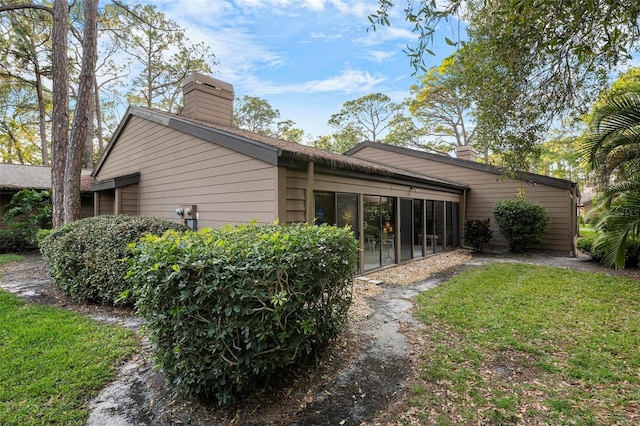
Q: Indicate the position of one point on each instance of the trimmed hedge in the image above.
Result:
(522, 222)
(234, 307)
(85, 258)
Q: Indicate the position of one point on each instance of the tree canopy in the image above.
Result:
(535, 62)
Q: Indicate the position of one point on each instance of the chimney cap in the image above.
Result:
(203, 80)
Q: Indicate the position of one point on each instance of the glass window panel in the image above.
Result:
(325, 207)
(418, 219)
(438, 216)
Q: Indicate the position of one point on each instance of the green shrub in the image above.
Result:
(13, 240)
(235, 307)
(85, 258)
(28, 212)
(589, 245)
(522, 222)
(477, 233)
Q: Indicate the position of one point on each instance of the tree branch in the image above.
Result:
(10, 7)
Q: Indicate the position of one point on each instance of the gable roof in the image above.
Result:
(14, 177)
(529, 177)
(272, 150)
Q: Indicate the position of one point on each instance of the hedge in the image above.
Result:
(234, 307)
(86, 258)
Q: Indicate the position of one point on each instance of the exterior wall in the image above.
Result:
(129, 200)
(297, 184)
(178, 169)
(486, 188)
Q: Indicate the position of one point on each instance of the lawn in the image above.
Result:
(52, 361)
(511, 343)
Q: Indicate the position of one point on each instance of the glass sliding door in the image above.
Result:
(388, 234)
(453, 224)
(372, 225)
(406, 229)
(438, 220)
(347, 214)
(325, 207)
(379, 231)
(418, 225)
(431, 229)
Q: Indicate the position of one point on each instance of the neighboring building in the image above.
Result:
(197, 168)
(16, 177)
(488, 185)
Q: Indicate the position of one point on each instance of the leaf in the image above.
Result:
(450, 42)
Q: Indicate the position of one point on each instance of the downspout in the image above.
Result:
(309, 216)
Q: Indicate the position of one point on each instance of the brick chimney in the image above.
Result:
(465, 152)
(207, 99)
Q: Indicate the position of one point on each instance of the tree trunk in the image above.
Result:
(42, 115)
(83, 118)
(60, 115)
(98, 111)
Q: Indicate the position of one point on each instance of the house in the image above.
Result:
(16, 177)
(197, 168)
(488, 185)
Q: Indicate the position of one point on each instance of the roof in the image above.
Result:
(14, 177)
(272, 150)
(529, 177)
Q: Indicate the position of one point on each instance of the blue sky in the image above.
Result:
(305, 57)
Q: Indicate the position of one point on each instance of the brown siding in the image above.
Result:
(106, 202)
(129, 200)
(177, 169)
(486, 188)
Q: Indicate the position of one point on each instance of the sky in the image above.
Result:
(305, 57)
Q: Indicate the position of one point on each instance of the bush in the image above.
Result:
(589, 245)
(85, 258)
(522, 222)
(477, 233)
(13, 240)
(28, 212)
(234, 307)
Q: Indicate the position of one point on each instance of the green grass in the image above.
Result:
(53, 361)
(513, 343)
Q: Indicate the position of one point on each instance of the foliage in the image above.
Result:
(52, 361)
(507, 338)
(234, 307)
(87, 258)
(257, 115)
(519, 53)
(522, 222)
(440, 105)
(611, 145)
(367, 116)
(611, 148)
(28, 212)
(478, 233)
(13, 240)
(338, 142)
(158, 47)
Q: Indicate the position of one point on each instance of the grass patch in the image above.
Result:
(529, 344)
(53, 361)
(6, 258)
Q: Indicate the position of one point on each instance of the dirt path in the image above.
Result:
(366, 374)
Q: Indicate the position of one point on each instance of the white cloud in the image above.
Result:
(380, 55)
(348, 82)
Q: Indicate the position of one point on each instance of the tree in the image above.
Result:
(338, 142)
(148, 38)
(367, 116)
(254, 114)
(550, 71)
(25, 64)
(441, 107)
(66, 195)
(257, 115)
(611, 147)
